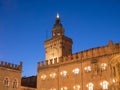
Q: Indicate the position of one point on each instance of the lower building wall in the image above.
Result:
(93, 73)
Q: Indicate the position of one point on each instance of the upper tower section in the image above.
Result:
(57, 30)
(59, 45)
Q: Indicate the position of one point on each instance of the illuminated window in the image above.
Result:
(6, 82)
(103, 66)
(64, 73)
(43, 77)
(104, 85)
(113, 80)
(76, 71)
(15, 84)
(90, 86)
(52, 89)
(53, 75)
(64, 88)
(58, 33)
(88, 68)
(76, 87)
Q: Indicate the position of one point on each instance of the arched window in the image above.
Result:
(6, 82)
(90, 86)
(64, 88)
(52, 75)
(15, 84)
(88, 68)
(104, 85)
(76, 71)
(76, 87)
(43, 77)
(103, 66)
(63, 73)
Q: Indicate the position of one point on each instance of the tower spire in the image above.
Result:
(57, 18)
(58, 30)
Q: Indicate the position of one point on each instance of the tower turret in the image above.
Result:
(57, 30)
(59, 45)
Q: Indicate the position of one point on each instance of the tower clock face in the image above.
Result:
(53, 53)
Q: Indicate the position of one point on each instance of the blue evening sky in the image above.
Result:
(26, 24)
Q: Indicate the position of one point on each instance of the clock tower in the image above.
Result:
(59, 45)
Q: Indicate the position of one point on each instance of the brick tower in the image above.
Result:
(59, 45)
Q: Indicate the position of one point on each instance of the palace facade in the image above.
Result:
(93, 69)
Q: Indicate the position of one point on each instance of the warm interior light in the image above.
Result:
(64, 73)
(113, 80)
(76, 71)
(88, 68)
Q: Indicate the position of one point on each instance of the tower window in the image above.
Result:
(63, 73)
(90, 86)
(104, 85)
(58, 33)
(76, 71)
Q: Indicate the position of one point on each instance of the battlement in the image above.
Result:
(83, 55)
(11, 66)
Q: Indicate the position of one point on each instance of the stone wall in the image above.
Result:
(12, 73)
(95, 58)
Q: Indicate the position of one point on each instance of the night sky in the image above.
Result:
(26, 24)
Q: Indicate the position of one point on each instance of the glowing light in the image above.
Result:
(76, 87)
(113, 80)
(76, 71)
(43, 77)
(64, 73)
(88, 68)
(104, 84)
(53, 75)
(58, 15)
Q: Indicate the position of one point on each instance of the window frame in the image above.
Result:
(76, 71)
(90, 86)
(6, 82)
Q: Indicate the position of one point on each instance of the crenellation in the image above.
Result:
(10, 66)
(46, 61)
(80, 55)
(69, 58)
(60, 59)
(93, 52)
(101, 51)
(117, 47)
(64, 59)
(75, 56)
(51, 61)
(89, 53)
(43, 63)
(84, 54)
(38, 66)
